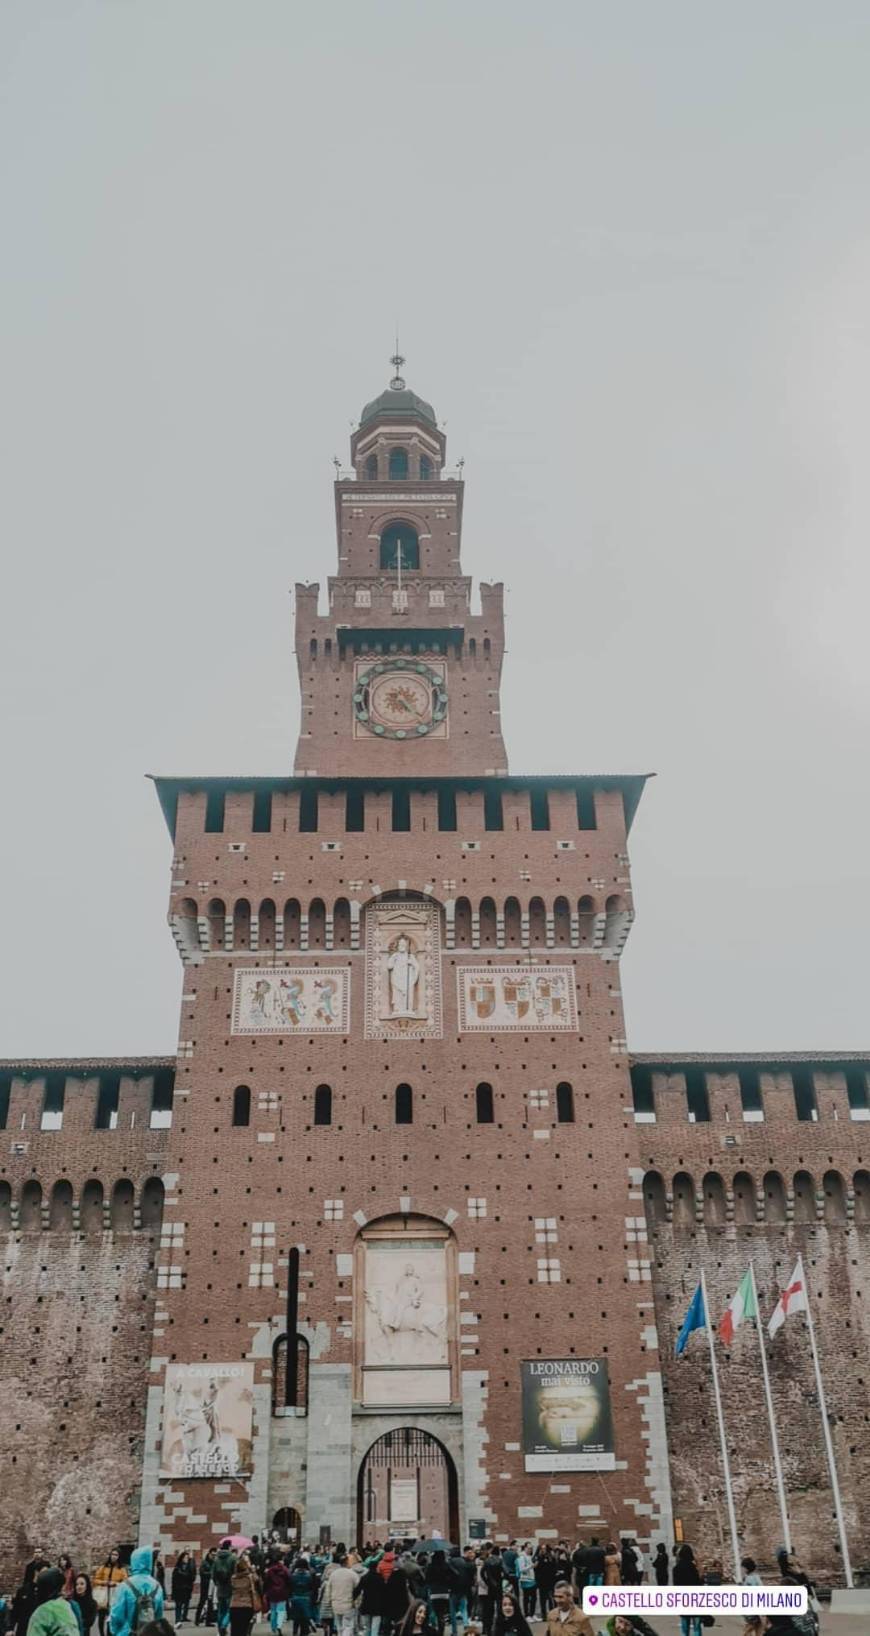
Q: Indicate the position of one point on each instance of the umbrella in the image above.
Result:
(238, 1542)
(424, 1547)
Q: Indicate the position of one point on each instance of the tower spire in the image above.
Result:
(397, 383)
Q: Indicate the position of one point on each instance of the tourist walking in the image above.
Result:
(276, 1589)
(371, 1601)
(595, 1555)
(107, 1581)
(222, 1569)
(245, 1600)
(24, 1600)
(181, 1584)
(303, 1594)
(526, 1577)
(566, 1619)
(139, 1600)
(205, 1605)
(83, 1597)
(52, 1612)
(612, 1565)
(545, 1577)
(661, 1565)
(439, 1582)
(686, 1572)
(510, 1619)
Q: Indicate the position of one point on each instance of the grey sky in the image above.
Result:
(628, 246)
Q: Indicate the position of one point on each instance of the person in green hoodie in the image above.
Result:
(52, 1615)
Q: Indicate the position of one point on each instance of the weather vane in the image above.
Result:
(397, 361)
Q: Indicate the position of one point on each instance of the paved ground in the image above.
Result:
(833, 1624)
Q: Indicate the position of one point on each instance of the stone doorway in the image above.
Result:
(288, 1523)
(407, 1487)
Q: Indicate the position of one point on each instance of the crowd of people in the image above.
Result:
(424, 1589)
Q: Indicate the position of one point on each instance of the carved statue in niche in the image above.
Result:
(406, 1321)
(403, 970)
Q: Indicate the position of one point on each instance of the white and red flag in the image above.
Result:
(792, 1299)
(742, 1306)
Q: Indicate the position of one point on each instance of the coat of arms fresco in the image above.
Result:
(530, 999)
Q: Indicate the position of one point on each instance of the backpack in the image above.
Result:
(145, 1611)
(222, 1570)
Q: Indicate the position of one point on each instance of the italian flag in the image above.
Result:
(743, 1306)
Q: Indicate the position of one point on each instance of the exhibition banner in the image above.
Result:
(567, 1423)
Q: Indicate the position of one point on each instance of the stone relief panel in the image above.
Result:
(292, 1000)
(405, 1336)
(403, 971)
(516, 999)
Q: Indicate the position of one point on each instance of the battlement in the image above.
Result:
(748, 1088)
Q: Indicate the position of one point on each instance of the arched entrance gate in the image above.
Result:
(407, 1487)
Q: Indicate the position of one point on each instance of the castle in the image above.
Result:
(401, 1238)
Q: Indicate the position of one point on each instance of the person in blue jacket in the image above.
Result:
(130, 1609)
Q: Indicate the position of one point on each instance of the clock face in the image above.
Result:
(399, 698)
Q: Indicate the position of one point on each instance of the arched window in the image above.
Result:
(804, 1197)
(744, 1199)
(462, 924)
(774, 1199)
(537, 923)
(714, 1200)
(292, 923)
(266, 920)
(60, 1215)
(323, 1105)
(242, 924)
(562, 922)
(586, 920)
(151, 1204)
(396, 537)
(5, 1207)
(299, 1398)
(216, 922)
(861, 1185)
(31, 1207)
(835, 1199)
(684, 1201)
(398, 468)
(341, 924)
(488, 925)
(655, 1203)
(565, 1103)
(404, 1105)
(513, 923)
(242, 1105)
(372, 469)
(91, 1207)
(425, 468)
(616, 915)
(483, 1105)
(317, 924)
(123, 1200)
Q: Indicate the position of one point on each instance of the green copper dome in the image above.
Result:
(398, 401)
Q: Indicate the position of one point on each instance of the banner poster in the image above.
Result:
(207, 1420)
(567, 1423)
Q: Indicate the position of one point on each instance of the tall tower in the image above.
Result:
(399, 642)
(403, 1283)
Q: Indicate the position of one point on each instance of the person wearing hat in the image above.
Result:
(52, 1615)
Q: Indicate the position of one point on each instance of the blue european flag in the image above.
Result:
(696, 1318)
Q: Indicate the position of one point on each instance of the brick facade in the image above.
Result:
(518, 1150)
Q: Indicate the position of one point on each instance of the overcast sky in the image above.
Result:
(628, 247)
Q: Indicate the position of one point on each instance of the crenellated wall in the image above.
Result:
(80, 1226)
(780, 1168)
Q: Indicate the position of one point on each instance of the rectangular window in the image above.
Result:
(586, 810)
(107, 1102)
(161, 1099)
(362, 598)
(5, 1093)
(642, 1095)
(805, 1103)
(750, 1097)
(355, 811)
(539, 802)
(214, 812)
(476, 1209)
(856, 1090)
(447, 809)
(52, 1104)
(307, 811)
(493, 817)
(401, 809)
(549, 1270)
(697, 1099)
(262, 812)
(436, 599)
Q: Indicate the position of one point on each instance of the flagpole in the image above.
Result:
(774, 1438)
(726, 1466)
(829, 1446)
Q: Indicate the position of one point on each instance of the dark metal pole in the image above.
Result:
(292, 1324)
